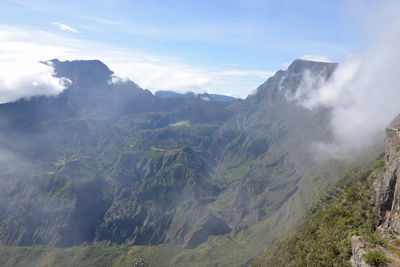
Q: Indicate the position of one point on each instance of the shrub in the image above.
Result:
(390, 133)
(374, 238)
(375, 258)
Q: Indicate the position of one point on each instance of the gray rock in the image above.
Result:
(358, 247)
(386, 189)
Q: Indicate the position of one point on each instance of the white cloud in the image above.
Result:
(22, 74)
(317, 58)
(364, 91)
(24, 79)
(148, 71)
(64, 27)
(182, 78)
(160, 76)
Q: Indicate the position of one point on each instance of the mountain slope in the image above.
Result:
(106, 161)
(355, 224)
(324, 237)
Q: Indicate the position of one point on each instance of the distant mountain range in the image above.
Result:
(111, 163)
(212, 97)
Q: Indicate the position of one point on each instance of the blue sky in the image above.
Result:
(225, 47)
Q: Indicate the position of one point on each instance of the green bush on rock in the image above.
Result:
(375, 258)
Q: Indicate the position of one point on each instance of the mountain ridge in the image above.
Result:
(205, 96)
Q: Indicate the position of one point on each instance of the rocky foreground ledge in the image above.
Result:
(386, 250)
(361, 248)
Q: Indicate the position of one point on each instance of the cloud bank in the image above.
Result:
(364, 91)
(24, 79)
(21, 73)
(148, 71)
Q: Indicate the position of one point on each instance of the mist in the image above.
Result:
(363, 92)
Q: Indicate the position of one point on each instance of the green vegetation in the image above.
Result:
(391, 132)
(86, 255)
(217, 251)
(375, 258)
(374, 238)
(323, 239)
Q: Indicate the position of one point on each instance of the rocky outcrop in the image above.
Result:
(360, 246)
(387, 190)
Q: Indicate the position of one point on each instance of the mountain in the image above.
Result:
(195, 181)
(103, 167)
(212, 97)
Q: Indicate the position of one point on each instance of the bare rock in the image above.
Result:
(387, 190)
(358, 247)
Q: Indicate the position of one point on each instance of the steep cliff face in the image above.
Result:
(361, 247)
(387, 189)
(386, 197)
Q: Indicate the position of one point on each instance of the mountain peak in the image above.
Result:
(75, 69)
(300, 65)
(92, 90)
(286, 82)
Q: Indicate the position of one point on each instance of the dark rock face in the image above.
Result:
(109, 161)
(285, 83)
(95, 92)
(299, 65)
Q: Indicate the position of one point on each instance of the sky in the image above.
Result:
(225, 47)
